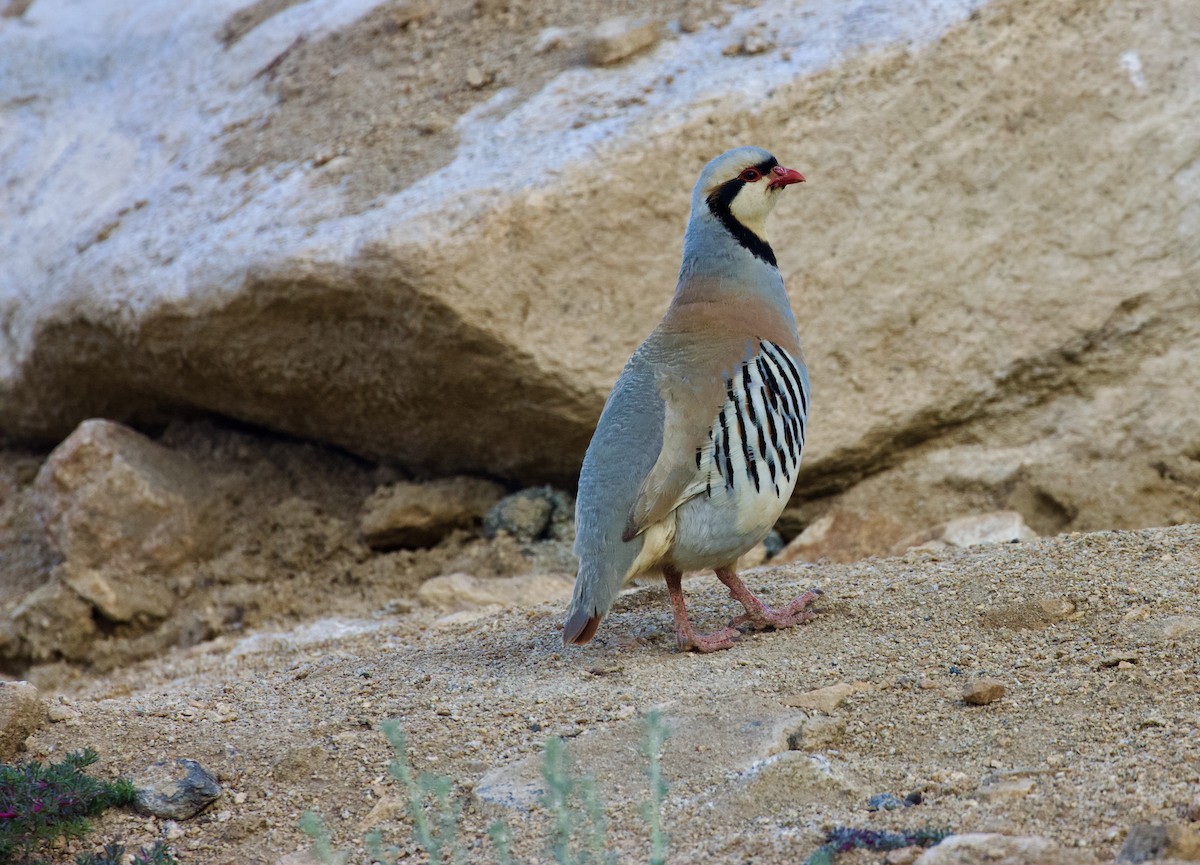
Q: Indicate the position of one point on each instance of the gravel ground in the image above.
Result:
(1096, 639)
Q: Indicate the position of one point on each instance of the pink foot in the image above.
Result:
(759, 615)
(705, 643)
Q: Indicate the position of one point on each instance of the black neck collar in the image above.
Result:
(720, 204)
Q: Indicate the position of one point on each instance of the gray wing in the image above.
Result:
(624, 448)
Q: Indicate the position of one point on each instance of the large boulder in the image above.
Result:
(124, 512)
(307, 216)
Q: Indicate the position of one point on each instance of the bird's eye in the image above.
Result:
(750, 175)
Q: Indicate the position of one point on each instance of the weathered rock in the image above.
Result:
(826, 699)
(455, 592)
(817, 733)
(1004, 789)
(177, 790)
(1031, 614)
(50, 622)
(124, 512)
(410, 515)
(980, 692)
(62, 713)
(993, 849)
(1162, 629)
(620, 38)
(998, 527)
(22, 712)
(843, 536)
(191, 234)
(533, 514)
(1149, 841)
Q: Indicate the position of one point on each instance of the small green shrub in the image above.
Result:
(577, 834)
(40, 802)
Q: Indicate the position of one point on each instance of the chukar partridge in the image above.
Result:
(697, 449)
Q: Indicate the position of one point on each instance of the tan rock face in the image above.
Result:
(456, 592)
(21, 713)
(989, 261)
(408, 515)
(123, 512)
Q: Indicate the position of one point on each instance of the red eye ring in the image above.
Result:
(751, 175)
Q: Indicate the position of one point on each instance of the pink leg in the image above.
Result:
(758, 614)
(684, 634)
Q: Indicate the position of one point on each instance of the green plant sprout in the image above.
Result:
(577, 834)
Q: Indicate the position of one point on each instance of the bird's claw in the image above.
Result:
(795, 613)
(705, 643)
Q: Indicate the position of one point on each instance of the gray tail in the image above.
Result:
(581, 627)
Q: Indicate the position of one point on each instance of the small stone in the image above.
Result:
(843, 536)
(491, 7)
(1147, 841)
(59, 713)
(385, 810)
(826, 699)
(689, 21)
(995, 527)
(980, 692)
(433, 123)
(1193, 809)
(903, 855)
(550, 39)
(884, 802)
(1116, 660)
(461, 592)
(620, 38)
(1164, 629)
(1032, 614)
(532, 514)
(994, 849)
(755, 42)
(300, 857)
(176, 790)
(413, 515)
(817, 733)
(22, 712)
(477, 78)
(1003, 790)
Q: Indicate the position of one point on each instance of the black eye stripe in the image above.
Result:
(721, 200)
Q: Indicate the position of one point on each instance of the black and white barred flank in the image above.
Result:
(758, 435)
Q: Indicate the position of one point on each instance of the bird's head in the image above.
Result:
(740, 187)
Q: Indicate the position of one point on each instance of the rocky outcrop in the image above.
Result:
(123, 512)
(992, 262)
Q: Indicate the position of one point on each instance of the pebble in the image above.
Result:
(996, 849)
(817, 733)
(1005, 790)
(1147, 841)
(826, 699)
(532, 514)
(619, 38)
(1193, 811)
(59, 713)
(884, 802)
(980, 692)
(176, 790)
(412, 515)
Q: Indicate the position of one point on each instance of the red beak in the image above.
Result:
(781, 177)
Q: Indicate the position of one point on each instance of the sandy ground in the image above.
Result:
(1096, 637)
